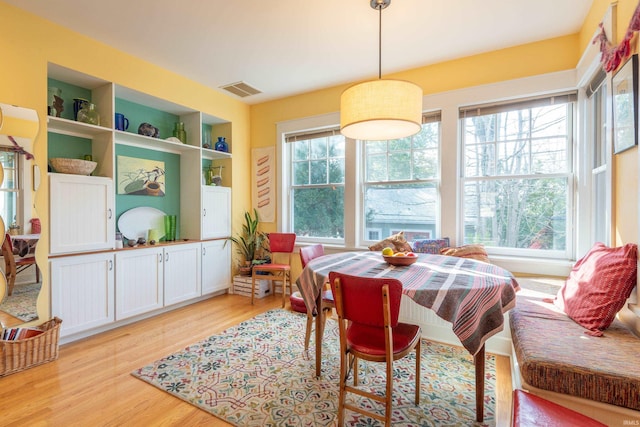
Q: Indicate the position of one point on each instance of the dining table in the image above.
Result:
(472, 295)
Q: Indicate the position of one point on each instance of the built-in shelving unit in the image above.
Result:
(84, 210)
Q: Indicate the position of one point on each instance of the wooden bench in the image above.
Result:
(554, 358)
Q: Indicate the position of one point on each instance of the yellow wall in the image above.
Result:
(28, 43)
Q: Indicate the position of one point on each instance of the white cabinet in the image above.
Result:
(139, 281)
(82, 291)
(182, 275)
(82, 214)
(151, 278)
(216, 266)
(216, 212)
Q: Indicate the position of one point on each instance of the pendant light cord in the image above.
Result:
(380, 43)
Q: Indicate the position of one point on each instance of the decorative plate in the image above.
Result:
(400, 260)
(137, 222)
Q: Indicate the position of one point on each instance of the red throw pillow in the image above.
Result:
(598, 286)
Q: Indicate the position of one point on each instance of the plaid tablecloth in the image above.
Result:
(471, 295)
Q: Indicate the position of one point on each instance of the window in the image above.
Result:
(317, 187)
(382, 186)
(400, 183)
(517, 175)
(597, 135)
(10, 198)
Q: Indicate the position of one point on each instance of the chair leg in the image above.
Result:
(307, 335)
(10, 283)
(284, 290)
(389, 396)
(355, 370)
(418, 357)
(344, 369)
(37, 274)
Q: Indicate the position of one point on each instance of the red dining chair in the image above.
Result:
(280, 245)
(307, 253)
(13, 265)
(368, 310)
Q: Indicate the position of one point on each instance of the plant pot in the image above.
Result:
(244, 271)
(153, 188)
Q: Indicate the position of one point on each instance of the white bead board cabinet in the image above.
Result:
(82, 213)
(82, 291)
(139, 281)
(216, 256)
(87, 223)
(156, 277)
(182, 273)
(216, 212)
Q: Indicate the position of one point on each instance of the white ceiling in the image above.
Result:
(287, 47)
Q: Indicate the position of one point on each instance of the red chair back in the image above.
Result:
(307, 253)
(282, 242)
(362, 298)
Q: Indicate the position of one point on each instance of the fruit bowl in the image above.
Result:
(400, 260)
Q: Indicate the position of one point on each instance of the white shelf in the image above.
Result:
(72, 128)
(214, 155)
(157, 144)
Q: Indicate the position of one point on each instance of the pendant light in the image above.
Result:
(381, 109)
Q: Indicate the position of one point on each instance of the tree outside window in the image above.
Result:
(517, 184)
(317, 191)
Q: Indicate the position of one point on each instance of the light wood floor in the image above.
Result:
(90, 384)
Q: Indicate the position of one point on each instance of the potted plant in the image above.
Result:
(249, 243)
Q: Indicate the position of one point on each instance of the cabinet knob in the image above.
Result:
(110, 265)
(204, 212)
(204, 251)
(166, 257)
(160, 258)
(109, 213)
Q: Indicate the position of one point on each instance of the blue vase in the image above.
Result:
(222, 145)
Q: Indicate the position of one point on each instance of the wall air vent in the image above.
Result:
(241, 89)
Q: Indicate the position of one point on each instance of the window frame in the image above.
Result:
(515, 105)
(18, 188)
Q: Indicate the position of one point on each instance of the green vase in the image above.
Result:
(179, 132)
(89, 114)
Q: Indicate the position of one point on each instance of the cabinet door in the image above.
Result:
(216, 266)
(181, 273)
(139, 284)
(82, 217)
(216, 212)
(82, 292)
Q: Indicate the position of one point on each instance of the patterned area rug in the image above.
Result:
(257, 374)
(22, 302)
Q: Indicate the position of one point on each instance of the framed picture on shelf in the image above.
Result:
(625, 106)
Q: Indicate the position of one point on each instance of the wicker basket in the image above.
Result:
(18, 355)
(72, 166)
